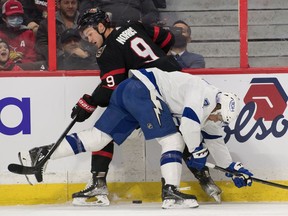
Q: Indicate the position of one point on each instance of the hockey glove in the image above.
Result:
(83, 109)
(241, 176)
(198, 158)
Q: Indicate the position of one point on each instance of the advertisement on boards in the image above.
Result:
(258, 137)
(35, 111)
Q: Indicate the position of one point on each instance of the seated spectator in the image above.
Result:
(35, 12)
(122, 11)
(186, 59)
(5, 63)
(1, 4)
(66, 17)
(20, 39)
(74, 56)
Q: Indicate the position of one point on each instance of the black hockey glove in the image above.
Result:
(83, 109)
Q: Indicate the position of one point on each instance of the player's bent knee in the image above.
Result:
(172, 142)
(94, 139)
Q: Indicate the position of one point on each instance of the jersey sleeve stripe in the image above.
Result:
(209, 136)
(111, 88)
(189, 113)
(166, 41)
(156, 33)
(113, 72)
(103, 153)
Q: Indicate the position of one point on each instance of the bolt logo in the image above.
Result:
(265, 103)
(24, 125)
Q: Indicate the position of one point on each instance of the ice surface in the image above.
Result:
(150, 209)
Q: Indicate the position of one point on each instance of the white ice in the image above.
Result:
(150, 209)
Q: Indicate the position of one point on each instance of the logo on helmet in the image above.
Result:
(232, 105)
(229, 106)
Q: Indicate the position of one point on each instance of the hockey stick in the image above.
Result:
(213, 166)
(25, 170)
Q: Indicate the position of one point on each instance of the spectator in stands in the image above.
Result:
(74, 56)
(66, 17)
(122, 11)
(20, 39)
(35, 12)
(185, 58)
(1, 4)
(5, 63)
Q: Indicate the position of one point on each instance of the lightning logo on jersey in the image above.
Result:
(158, 106)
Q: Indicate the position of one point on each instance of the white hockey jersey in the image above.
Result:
(190, 99)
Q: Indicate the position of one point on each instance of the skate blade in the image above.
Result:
(217, 197)
(99, 200)
(179, 204)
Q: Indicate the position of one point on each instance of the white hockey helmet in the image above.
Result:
(230, 106)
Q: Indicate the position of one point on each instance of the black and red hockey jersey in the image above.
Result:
(132, 46)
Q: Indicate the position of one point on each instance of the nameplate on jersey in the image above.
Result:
(125, 35)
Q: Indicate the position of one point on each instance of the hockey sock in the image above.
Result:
(87, 140)
(63, 150)
(171, 158)
(100, 160)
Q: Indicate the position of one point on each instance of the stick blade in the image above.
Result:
(22, 170)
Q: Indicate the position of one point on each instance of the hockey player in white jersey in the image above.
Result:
(202, 110)
(150, 99)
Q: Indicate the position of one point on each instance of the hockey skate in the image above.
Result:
(95, 192)
(172, 198)
(207, 184)
(31, 158)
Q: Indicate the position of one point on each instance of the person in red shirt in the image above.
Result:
(19, 37)
(5, 63)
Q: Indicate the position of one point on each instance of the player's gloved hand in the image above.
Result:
(83, 109)
(243, 176)
(198, 158)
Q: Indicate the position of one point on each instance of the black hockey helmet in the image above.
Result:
(92, 17)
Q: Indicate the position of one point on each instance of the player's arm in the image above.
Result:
(113, 72)
(100, 96)
(109, 82)
(214, 140)
(192, 115)
(213, 135)
(160, 36)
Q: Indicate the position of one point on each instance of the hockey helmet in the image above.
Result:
(230, 106)
(92, 17)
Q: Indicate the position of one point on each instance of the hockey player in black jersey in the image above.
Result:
(130, 46)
